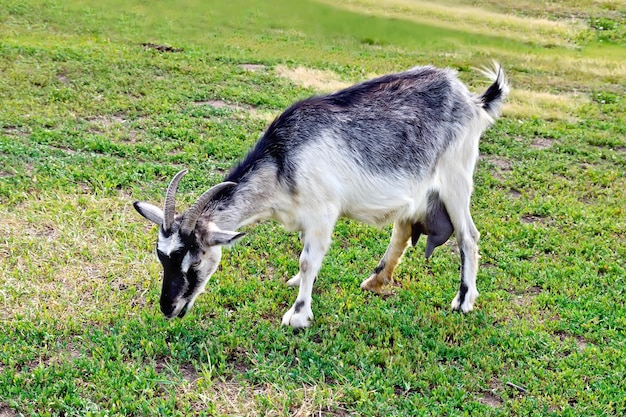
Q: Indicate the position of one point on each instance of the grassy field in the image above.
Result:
(102, 102)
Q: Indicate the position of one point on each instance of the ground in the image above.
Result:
(102, 103)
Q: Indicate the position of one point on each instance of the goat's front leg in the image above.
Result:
(316, 244)
(383, 273)
(295, 280)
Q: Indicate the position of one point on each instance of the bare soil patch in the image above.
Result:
(533, 218)
(187, 370)
(12, 131)
(501, 165)
(580, 341)
(526, 298)
(217, 104)
(50, 233)
(64, 79)
(160, 48)
(540, 143)
(490, 399)
(6, 411)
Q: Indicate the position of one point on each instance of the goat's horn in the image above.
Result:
(192, 215)
(169, 211)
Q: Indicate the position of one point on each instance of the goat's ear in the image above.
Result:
(149, 211)
(222, 237)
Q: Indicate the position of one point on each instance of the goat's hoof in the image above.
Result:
(373, 283)
(467, 305)
(295, 281)
(301, 319)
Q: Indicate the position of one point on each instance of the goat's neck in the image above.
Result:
(248, 203)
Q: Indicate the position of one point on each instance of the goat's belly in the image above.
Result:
(377, 219)
(388, 211)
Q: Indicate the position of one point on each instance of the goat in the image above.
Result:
(400, 148)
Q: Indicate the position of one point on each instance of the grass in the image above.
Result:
(102, 102)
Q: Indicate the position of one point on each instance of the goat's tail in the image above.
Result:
(492, 99)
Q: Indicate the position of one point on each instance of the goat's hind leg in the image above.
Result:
(467, 238)
(455, 194)
(383, 273)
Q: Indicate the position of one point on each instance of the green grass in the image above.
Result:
(92, 119)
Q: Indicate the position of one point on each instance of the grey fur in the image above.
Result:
(398, 123)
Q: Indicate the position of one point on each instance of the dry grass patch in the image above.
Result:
(106, 122)
(521, 103)
(607, 66)
(115, 126)
(241, 399)
(530, 104)
(253, 67)
(567, 9)
(569, 72)
(63, 257)
(469, 19)
(322, 81)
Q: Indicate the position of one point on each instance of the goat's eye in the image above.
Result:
(196, 264)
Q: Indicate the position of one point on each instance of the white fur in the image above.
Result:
(169, 244)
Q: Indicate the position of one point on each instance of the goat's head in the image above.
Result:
(189, 250)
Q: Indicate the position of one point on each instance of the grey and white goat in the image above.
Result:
(400, 148)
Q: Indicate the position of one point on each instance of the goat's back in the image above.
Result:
(372, 147)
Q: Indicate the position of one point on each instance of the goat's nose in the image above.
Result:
(167, 309)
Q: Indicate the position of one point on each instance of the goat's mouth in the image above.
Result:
(184, 311)
(179, 310)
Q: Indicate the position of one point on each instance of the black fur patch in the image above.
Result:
(463, 289)
(379, 268)
(493, 94)
(174, 281)
(275, 146)
(298, 307)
